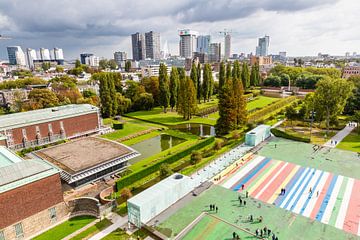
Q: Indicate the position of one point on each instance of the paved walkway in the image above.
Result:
(118, 222)
(335, 140)
(81, 230)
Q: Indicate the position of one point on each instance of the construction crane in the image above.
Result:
(2, 37)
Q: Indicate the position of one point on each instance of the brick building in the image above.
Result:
(351, 71)
(31, 198)
(39, 127)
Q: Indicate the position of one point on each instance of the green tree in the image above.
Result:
(206, 84)
(42, 98)
(112, 64)
(187, 100)
(45, 66)
(228, 70)
(123, 103)
(290, 114)
(245, 76)
(127, 66)
(125, 194)
(195, 157)
(255, 75)
(236, 72)
(331, 96)
(227, 112)
(222, 75)
(103, 64)
(198, 82)
(108, 95)
(239, 103)
(151, 85)
(144, 102)
(174, 87)
(194, 75)
(165, 170)
(59, 69)
(77, 63)
(356, 118)
(164, 87)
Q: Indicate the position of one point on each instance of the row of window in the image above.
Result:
(19, 231)
(38, 129)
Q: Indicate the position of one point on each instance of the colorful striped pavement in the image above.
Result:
(319, 195)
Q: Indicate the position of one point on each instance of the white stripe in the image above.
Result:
(329, 208)
(311, 204)
(293, 188)
(271, 180)
(303, 183)
(300, 203)
(344, 204)
(244, 170)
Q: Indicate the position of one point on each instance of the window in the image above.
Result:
(52, 212)
(2, 236)
(19, 230)
(23, 132)
(37, 129)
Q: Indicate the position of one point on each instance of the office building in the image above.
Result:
(263, 46)
(227, 49)
(203, 44)
(92, 61)
(152, 45)
(120, 58)
(16, 56)
(30, 57)
(138, 46)
(58, 54)
(83, 57)
(44, 54)
(215, 52)
(187, 45)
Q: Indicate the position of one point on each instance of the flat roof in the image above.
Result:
(258, 129)
(78, 155)
(21, 119)
(16, 172)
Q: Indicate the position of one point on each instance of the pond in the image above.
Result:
(196, 129)
(155, 145)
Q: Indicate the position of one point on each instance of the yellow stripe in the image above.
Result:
(284, 183)
(275, 163)
(232, 166)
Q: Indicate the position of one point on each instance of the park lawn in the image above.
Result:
(120, 234)
(213, 102)
(351, 142)
(66, 228)
(93, 229)
(131, 126)
(260, 102)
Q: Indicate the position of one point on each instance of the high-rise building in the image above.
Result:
(227, 49)
(58, 54)
(44, 54)
(215, 52)
(138, 46)
(203, 44)
(152, 44)
(187, 45)
(263, 46)
(120, 58)
(83, 57)
(30, 57)
(16, 56)
(92, 61)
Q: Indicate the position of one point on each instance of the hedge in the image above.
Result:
(279, 133)
(118, 126)
(258, 115)
(138, 175)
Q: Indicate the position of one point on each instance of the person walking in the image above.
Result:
(242, 187)
(244, 203)
(240, 202)
(247, 194)
(216, 209)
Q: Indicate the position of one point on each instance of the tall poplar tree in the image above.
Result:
(255, 75)
(245, 76)
(174, 87)
(206, 83)
(198, 82)
(239, 102)
(187, 102)
(228, 70)
(164, 87)
(221, 76)
(194, 74)
(236, 72)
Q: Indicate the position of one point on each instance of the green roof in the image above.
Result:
(16, 172)
(16, 120)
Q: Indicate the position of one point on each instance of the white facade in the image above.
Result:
(58, 54)
(120, 58)
(188, 42)
(263, 47)
(16, 56)
(44, 54)
(30, 57)
(92, 61)
(227, 47)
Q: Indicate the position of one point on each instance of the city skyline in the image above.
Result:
(297, 27)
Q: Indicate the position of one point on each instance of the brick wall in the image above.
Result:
(73, 126)
(30, 199)
(3, 143)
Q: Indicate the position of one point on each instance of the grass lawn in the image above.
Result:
(213, 102)
(141, 138)
(131, 126)
(351, 142)
(119, 234)
(260, 102)
(66, 228)
(93, 229)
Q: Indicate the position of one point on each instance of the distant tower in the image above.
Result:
(16, 56)
(227, 49)
(165, 53)
(152, 43)
(263, 47)
(187, 44)
(30, 57)
(138, 46)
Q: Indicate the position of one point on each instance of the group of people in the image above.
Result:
(251, 218)
(242, 201)
(236, 236)
(283, 191)
(213, 207)
(334, 142)
(265, 232)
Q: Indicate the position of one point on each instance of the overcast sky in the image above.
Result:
(300, 27)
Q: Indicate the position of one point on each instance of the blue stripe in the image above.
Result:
(252, 173)
(293, 194)
(288, 186)
(326, 200)
(311, 194)
(302, 190)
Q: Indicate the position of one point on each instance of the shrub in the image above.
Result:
(165, 170)
(118, 126)
(235, 135)
(195, 157)
(218, 145)
(279, 133)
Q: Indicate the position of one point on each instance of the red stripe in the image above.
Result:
(258, 189)
(231, 172)
(351, 223)
(321, 197)
(256, 175)
(270, 190)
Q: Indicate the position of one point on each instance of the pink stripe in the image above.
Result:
(351, 223)
(321, 197)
